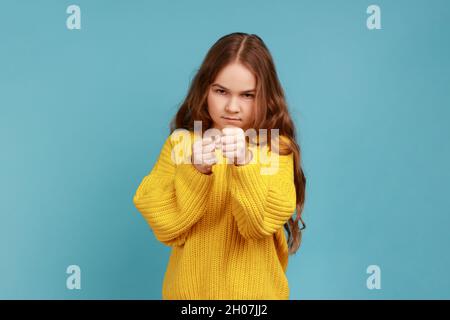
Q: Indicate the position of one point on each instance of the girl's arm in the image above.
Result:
(172, 198)
(263, 204)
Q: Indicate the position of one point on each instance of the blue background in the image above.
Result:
(84, 114)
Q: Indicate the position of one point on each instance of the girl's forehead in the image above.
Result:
(236, 77)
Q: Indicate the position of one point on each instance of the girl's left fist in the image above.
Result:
(234, 146)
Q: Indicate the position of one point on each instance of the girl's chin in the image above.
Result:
(231, 126)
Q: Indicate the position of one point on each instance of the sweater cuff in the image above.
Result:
(263, 204)
(197, 182)
(250, 183)
(250, 172)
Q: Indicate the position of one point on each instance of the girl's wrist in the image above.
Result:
(203, 170)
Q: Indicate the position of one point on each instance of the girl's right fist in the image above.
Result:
(203, 154)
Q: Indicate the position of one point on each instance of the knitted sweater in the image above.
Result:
(225, 229)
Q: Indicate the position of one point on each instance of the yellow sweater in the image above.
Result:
(225, 229)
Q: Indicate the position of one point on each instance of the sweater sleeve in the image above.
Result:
(262, 203)
(172, 197)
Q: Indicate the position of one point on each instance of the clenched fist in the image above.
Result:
(203, 155)
(234, 146)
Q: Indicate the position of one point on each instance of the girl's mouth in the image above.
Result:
(231, 119)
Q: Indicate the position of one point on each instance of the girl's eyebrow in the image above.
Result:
(218, 85)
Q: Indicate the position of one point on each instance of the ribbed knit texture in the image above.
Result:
(225, 229)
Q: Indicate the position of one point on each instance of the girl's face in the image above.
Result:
(232, 96)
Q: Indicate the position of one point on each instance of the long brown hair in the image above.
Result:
(271, 111)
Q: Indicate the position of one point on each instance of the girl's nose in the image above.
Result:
(232, 106)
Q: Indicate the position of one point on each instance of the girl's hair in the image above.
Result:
(271, 111)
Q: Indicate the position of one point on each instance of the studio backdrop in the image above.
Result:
(87, 92)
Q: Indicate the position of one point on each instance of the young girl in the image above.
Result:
(208, 197)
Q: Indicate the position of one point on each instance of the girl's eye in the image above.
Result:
(248, 95)
(220, 91)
